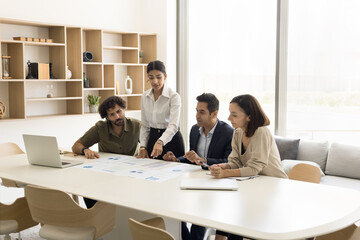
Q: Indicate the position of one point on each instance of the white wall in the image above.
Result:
(149, 16)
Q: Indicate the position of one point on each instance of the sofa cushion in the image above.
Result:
(288, 164)
(341, 182)
(343, 161)
(288, 148)
(314, 151)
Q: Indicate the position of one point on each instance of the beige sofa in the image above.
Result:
(340, 163)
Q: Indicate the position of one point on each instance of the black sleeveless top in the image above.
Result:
(242, 148)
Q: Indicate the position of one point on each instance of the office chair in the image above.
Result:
(7, 149)
(305, 172)
(309, 173)
(15, 218)
(10, 148)
(151, 229)
(62, 218)
(350, 233)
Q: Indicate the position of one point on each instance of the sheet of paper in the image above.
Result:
(140, 168)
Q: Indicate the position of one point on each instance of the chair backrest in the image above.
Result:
(140, 231)
(50, 206)
(7, 149)
(54, 207)
(350, 233)
(18, 211)
(305, 172)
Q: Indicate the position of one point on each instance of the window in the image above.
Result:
(324, 70)
(232, 47)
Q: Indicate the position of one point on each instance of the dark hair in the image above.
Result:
(156, 65)
(110, 103)
(211, 100)
(252, 108)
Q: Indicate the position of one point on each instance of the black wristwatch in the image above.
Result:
(83, 149)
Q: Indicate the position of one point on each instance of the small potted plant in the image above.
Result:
(94, 102)
(141, 53)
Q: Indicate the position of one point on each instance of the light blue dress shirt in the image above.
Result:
(204, 142)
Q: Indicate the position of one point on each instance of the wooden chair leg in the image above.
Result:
(76, 198)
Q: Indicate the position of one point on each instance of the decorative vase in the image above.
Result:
(93, 108)
(87, 57)
(2, 110)
(68, 73)
(50, 93)
(6, 67)
(117, 87)
(128, 90)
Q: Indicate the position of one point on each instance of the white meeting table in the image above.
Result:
(262, 208)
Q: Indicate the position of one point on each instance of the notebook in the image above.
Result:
(44, 151)
(209, 184)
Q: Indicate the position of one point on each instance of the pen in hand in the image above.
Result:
(203, 164)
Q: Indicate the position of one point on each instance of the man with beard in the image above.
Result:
(210, 143)
(118, 134)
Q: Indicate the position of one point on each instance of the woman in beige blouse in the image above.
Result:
(254, 151)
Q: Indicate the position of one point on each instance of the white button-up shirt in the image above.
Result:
(164, 113)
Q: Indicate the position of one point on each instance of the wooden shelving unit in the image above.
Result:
(115, 56)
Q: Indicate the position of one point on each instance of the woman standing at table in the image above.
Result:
(160, 115)
(254, 151)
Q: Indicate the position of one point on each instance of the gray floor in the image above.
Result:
(28, 234)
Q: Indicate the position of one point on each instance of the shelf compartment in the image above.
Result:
(105, 94)
(46, 54)
(118, 39)
(109, 76)
(94, 75)
(37, 91)
(74, 54)
(15, 102)
(136, 73)
(16, 51)
(10, 30)
(74, 89)
(121, 56)
(60, 106)
(148, 45)
(147, 84)
(57, 33)
(133, 102)
(93, 43)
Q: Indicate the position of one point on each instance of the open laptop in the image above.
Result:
(44, 151)
(209, 184)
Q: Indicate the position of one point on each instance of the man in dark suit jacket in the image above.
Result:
(210, 143)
